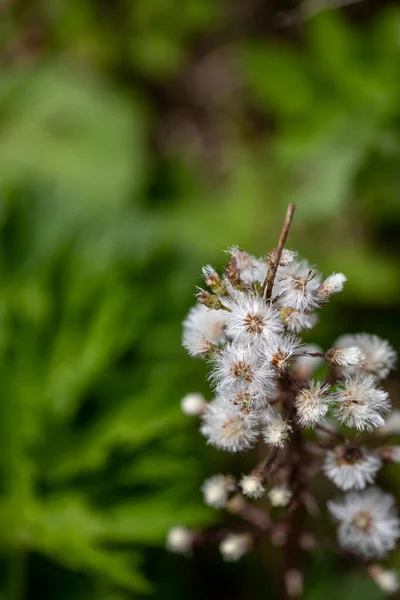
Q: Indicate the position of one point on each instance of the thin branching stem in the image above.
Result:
(269, 280)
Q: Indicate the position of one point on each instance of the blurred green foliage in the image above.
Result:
(137, 141)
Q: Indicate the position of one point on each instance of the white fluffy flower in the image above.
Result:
(241, 368)
(332, 285)
(361, 403)
(286, 258)
(297, 321)
(251, 319)
(229, 428)
(368, 522)
(281, 351)
(202, 329)
(279, 495)
(296, 286)
(179, 540)
(312, 403)
(351, 467)
(304, 366)
(234, 546)
(348, 356)
(386, 579)
(250, 269)
(252, 486)
(193, 404)
(379, 356)
(216, 490)
(276, 433)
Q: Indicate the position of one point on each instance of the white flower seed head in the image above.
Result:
(252, 486)
(252, 320)
(296, 286)
(332, 285)
(282, 351)
(312, 403)
(386, 579)
(216, 490)
(279, 496)
(360, 403)
(229, 428)
(179, 540)
(350, 467)
(203, 329)
(297, 321)
(368, 522)
(350, 356)
(193, 405)
(287, 257)
(379, 356)
(234, 546)
(246, 267)
(276, 433)
(241, 368)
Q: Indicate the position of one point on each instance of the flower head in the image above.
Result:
(361, 403)
(245, 269)
(179, 540)
(332, 285)
(203, 329)
(279, 495)
(297, 321)
(234, 546)
(216, 490)
(350, 356)
(312, 403)
(386, 579)
(193, 404)
(252, 486)
(229, 428)
(286, 258)
(276, 433)
(239, 368)
(379, 356)
(368, 522)
(296, 286)
(351, 467)
(281, 351)
(252, 320)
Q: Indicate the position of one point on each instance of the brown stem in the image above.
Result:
(270, 278)
(293, 577)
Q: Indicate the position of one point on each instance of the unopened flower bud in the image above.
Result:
(210, 300)
(214, 281)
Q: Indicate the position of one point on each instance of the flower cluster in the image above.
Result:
(247, 326)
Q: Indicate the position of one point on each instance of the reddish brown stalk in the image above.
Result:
(270, 278)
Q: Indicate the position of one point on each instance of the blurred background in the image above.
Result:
(138, 139)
